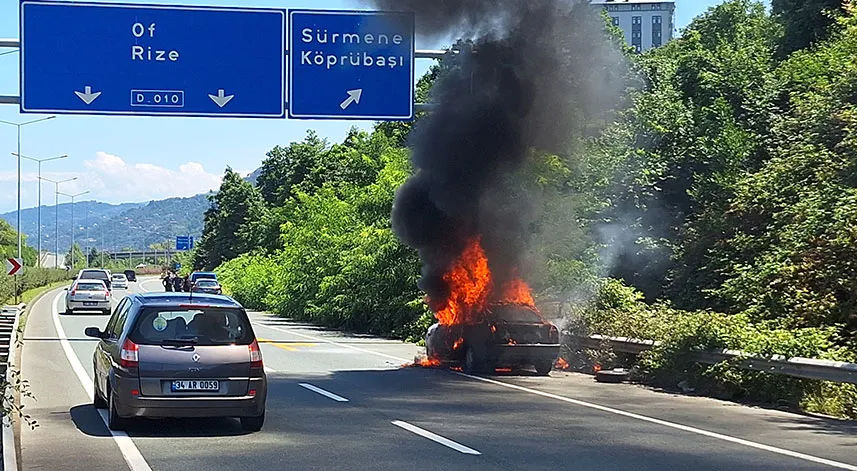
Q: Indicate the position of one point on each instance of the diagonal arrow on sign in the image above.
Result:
(14, 266)
(353, 97)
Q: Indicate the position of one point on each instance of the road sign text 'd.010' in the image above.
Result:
(103, 58)
(351, 65)
(14, 266)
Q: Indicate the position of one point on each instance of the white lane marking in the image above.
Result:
(268, 369)
(684, 428)
(435, 438)
(324, 393)
(319, 339)
(129, 451)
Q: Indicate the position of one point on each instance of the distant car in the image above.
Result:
(140, 265)
(207, 285)
(512, 335)
(119, 281)
(198, 275)
(131, 275)
(87, 295)
(170, 355)
(95, 274)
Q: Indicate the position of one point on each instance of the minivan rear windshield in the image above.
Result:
(175, 325)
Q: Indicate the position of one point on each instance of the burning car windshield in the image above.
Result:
(515, 314)
(209, 326)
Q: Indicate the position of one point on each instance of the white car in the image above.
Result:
(119, 281)
(87, 295)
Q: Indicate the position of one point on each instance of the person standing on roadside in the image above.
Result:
(167, 281)
(177, 283)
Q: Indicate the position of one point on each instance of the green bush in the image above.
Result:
(32, 278)
(617, 311)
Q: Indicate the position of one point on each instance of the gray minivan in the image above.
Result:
(173, 355)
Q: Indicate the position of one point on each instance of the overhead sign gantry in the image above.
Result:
(164, 60)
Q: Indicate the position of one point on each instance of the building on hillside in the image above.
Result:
(646, 23)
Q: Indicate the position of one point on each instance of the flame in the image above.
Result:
(471, 289)
(596, 368)
(469, 282)
(493, 329)
(502, 370)
(512, 342)
(427, 362)
(561, 364)
(517, 291)
(457, 343)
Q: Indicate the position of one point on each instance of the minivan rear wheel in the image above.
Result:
(97, 400)
(114, 422)
(253, 424)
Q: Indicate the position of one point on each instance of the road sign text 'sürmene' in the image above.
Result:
(103, 58)
(351, 65)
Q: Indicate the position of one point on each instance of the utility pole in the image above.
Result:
(57, 217)
(18, 126)
(71, 251)
(39, 210)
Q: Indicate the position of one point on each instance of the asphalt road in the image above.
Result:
(341, 402)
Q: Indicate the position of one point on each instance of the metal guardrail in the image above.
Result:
(809, 368)
(10, 455)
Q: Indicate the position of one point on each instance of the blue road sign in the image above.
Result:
(351, 65)
(110, 58)
(184, 243)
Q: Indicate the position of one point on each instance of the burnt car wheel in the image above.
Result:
(474, 361)
(543, 367)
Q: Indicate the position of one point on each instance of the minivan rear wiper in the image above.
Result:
(179, 342)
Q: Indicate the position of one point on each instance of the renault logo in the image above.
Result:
(195, 357)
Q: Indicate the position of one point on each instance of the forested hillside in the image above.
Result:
(713, 205)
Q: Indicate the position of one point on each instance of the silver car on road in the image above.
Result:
(87, 295)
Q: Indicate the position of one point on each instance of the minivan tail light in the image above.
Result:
(129, 355)
(255, 355)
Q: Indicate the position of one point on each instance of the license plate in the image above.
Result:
(90, 303)
(196, 385)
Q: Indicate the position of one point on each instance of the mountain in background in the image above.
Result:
(122, 226)
(125, 226)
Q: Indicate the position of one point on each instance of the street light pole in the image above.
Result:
(18, 126)
(57, 216)
(71, 251)
(39, 161)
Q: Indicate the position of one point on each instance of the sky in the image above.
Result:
(135, 159)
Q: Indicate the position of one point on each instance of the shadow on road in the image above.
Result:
(820, 425)
(88, 421)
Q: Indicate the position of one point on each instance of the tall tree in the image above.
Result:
(805, 21)
(231, 221)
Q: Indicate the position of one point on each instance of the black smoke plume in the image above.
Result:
(536, 72)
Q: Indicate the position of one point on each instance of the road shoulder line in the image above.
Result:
(129, 450)
(673, 425)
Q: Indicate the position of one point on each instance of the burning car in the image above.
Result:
(509, 335)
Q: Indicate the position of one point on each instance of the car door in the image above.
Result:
(108, 351)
